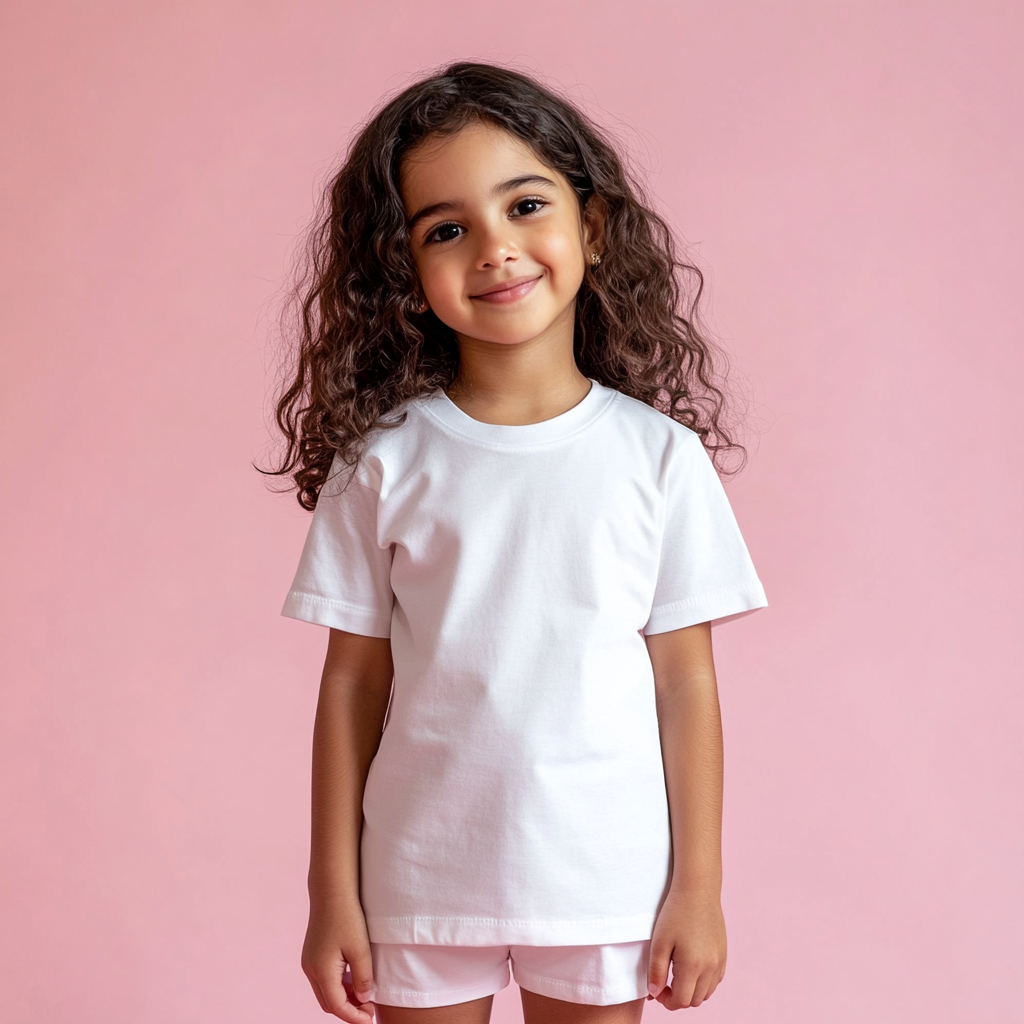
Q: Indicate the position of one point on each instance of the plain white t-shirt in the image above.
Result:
(518, 794)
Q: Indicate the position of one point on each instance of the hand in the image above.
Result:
(689, 932)
(336, 937)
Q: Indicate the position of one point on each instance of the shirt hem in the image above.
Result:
(717, 606)
(326, 611)
(492, 931)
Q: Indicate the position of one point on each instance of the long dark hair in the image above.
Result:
(363, 348)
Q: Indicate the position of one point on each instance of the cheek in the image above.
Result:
(437, 280)
(560, 250)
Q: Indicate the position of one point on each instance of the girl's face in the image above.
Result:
(498, 238)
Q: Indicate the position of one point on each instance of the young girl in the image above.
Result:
(505, 420)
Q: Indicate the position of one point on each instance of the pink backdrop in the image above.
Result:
(850, 177)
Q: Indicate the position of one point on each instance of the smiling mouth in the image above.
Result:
(508, 291)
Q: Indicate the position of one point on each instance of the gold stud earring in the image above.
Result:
(595, 258)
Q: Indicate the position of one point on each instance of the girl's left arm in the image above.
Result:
(690, 930)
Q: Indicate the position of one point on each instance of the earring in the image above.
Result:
(595, 258)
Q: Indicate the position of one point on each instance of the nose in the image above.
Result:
(495, 247)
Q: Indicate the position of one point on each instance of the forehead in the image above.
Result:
(468, 163)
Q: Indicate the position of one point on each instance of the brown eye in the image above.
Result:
(444, 233)
(527, 206)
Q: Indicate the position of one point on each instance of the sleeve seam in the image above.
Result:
(334, 602)
(704, 596)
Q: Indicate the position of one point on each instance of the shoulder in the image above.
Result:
(653, 430)
(410, 408)
(392, 441)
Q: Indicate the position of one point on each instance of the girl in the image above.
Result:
(502, 415)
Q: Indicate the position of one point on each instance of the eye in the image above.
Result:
(443, 233)
(529, 205)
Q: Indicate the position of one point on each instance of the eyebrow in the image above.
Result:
(506, 186)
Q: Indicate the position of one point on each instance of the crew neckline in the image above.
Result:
(442, 408)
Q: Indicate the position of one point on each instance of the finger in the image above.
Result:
(330, 979)
(701, 990)
(713, 983)
(361, 968)
(361, 1012)
(657, 971)
(665, 997)
(682, 990)
(352, 1014)
(363, 1005)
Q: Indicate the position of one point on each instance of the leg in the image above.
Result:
(539, 1009)
(476, 1011)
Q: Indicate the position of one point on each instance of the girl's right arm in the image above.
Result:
(354, 693)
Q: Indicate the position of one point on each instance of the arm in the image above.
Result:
(690, 929)
(354, 692)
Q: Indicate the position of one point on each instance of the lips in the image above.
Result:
(508, 291)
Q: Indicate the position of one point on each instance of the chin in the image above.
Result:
(503, 339)
(513, 332)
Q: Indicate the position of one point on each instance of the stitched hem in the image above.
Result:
(489, 931)
(713, 606)
(328, 611)
(442, 997)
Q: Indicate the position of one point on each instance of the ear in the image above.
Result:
(595, 217)
(417, 300)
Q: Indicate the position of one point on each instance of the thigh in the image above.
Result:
(476, 1011)
(538, 1009)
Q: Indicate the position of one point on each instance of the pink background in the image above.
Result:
(850, 176)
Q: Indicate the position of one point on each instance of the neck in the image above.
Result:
(518, 384)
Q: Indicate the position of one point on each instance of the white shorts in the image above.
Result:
(407, 974)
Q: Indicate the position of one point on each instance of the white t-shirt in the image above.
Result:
(518, 795)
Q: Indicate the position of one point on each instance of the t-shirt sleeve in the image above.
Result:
(344, 574)
(705, 573)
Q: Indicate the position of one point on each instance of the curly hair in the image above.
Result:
(364, 348)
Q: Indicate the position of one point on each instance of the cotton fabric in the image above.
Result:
(518, 794)
(418, 975)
